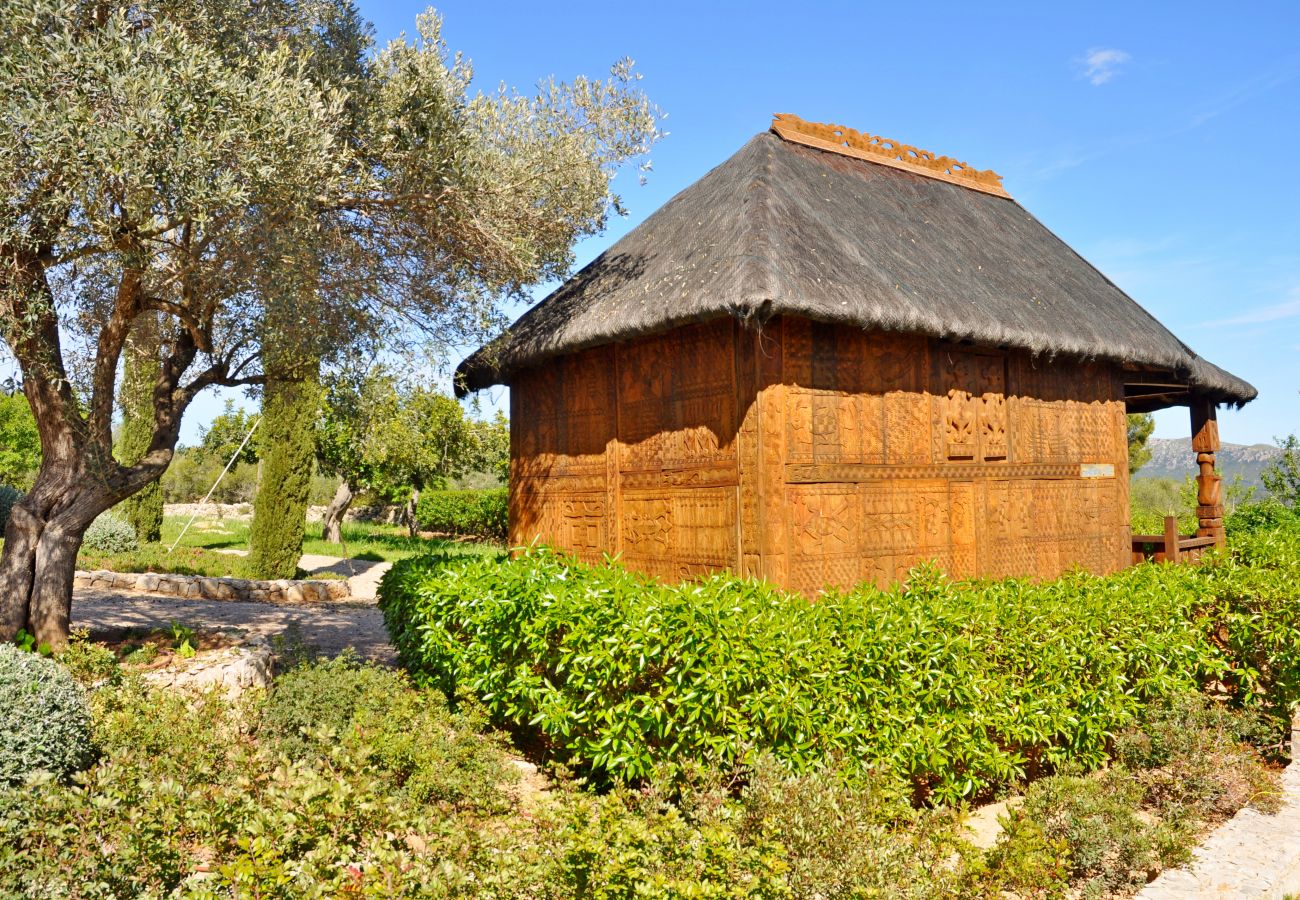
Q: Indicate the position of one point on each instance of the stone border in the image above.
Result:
(200, 587)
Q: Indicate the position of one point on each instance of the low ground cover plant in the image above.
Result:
(349, 780)
(953, 688)
(388, 792)
(477, 513)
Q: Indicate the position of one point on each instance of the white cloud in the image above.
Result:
(1101, 64)
(1287, 309)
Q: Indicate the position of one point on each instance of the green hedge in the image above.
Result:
(953, 686)
(475, 513)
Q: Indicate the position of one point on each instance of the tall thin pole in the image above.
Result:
(205, 500)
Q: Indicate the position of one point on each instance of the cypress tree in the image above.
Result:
(287, 440)
(144, 510)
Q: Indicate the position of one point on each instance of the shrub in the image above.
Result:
(412, 739)
(90, 663)
(1267, 515)
(1093, 830)
(110, 533)
(44, 719)
(952, 687)
(1192, 756)
(844, 839)
(183, 787)
(481, 513)
(312, 704)
(8, 498)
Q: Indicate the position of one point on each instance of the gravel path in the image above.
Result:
(328, 628)
(362, 574)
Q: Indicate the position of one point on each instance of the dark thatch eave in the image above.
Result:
(784, 229)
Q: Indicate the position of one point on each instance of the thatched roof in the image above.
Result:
(784, 229)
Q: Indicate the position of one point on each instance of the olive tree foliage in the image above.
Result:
(258, 179)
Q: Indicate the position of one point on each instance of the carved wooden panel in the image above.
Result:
(683, 534)
(817, 455)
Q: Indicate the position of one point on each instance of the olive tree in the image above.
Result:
(354, 414)
(426, 441)
(259, 179)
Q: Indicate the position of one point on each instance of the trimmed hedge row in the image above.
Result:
(481, 513)
(954, 687)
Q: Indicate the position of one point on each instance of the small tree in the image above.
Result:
(353, 411)
(1282, 477)
(180, 159)
(426, 441)
(493, 452)
(1140, 427)
(219, 441)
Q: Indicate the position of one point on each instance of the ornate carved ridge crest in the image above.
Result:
(877, 149)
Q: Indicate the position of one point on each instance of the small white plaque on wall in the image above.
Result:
(1096, 470)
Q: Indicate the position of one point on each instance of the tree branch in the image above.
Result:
(108, 350)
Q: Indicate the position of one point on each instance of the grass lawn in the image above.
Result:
(361, 540)
(200, 551)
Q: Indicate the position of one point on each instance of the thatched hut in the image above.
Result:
(833, 357)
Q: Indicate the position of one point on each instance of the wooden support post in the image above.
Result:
(1209, 489)
(1171, 539)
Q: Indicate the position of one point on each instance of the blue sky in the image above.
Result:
(1159, 140)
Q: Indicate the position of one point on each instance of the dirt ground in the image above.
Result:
(329, 629)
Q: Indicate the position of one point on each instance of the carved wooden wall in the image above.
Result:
(818, 455)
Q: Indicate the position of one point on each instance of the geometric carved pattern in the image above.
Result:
(817, 455)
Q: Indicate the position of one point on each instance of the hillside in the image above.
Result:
(1174, 459)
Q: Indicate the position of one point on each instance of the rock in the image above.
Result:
(148, 582)
(293, 593)
(234, 670)
(337, 590)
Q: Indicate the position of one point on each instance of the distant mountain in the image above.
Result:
(1175, 459)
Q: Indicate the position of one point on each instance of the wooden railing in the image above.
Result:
(1171, 546)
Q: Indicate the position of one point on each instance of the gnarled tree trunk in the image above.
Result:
(332, 524)
(78, 478)
(40, 553)
(412, 504)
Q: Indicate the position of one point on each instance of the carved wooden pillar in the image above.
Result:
(1209, 499)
